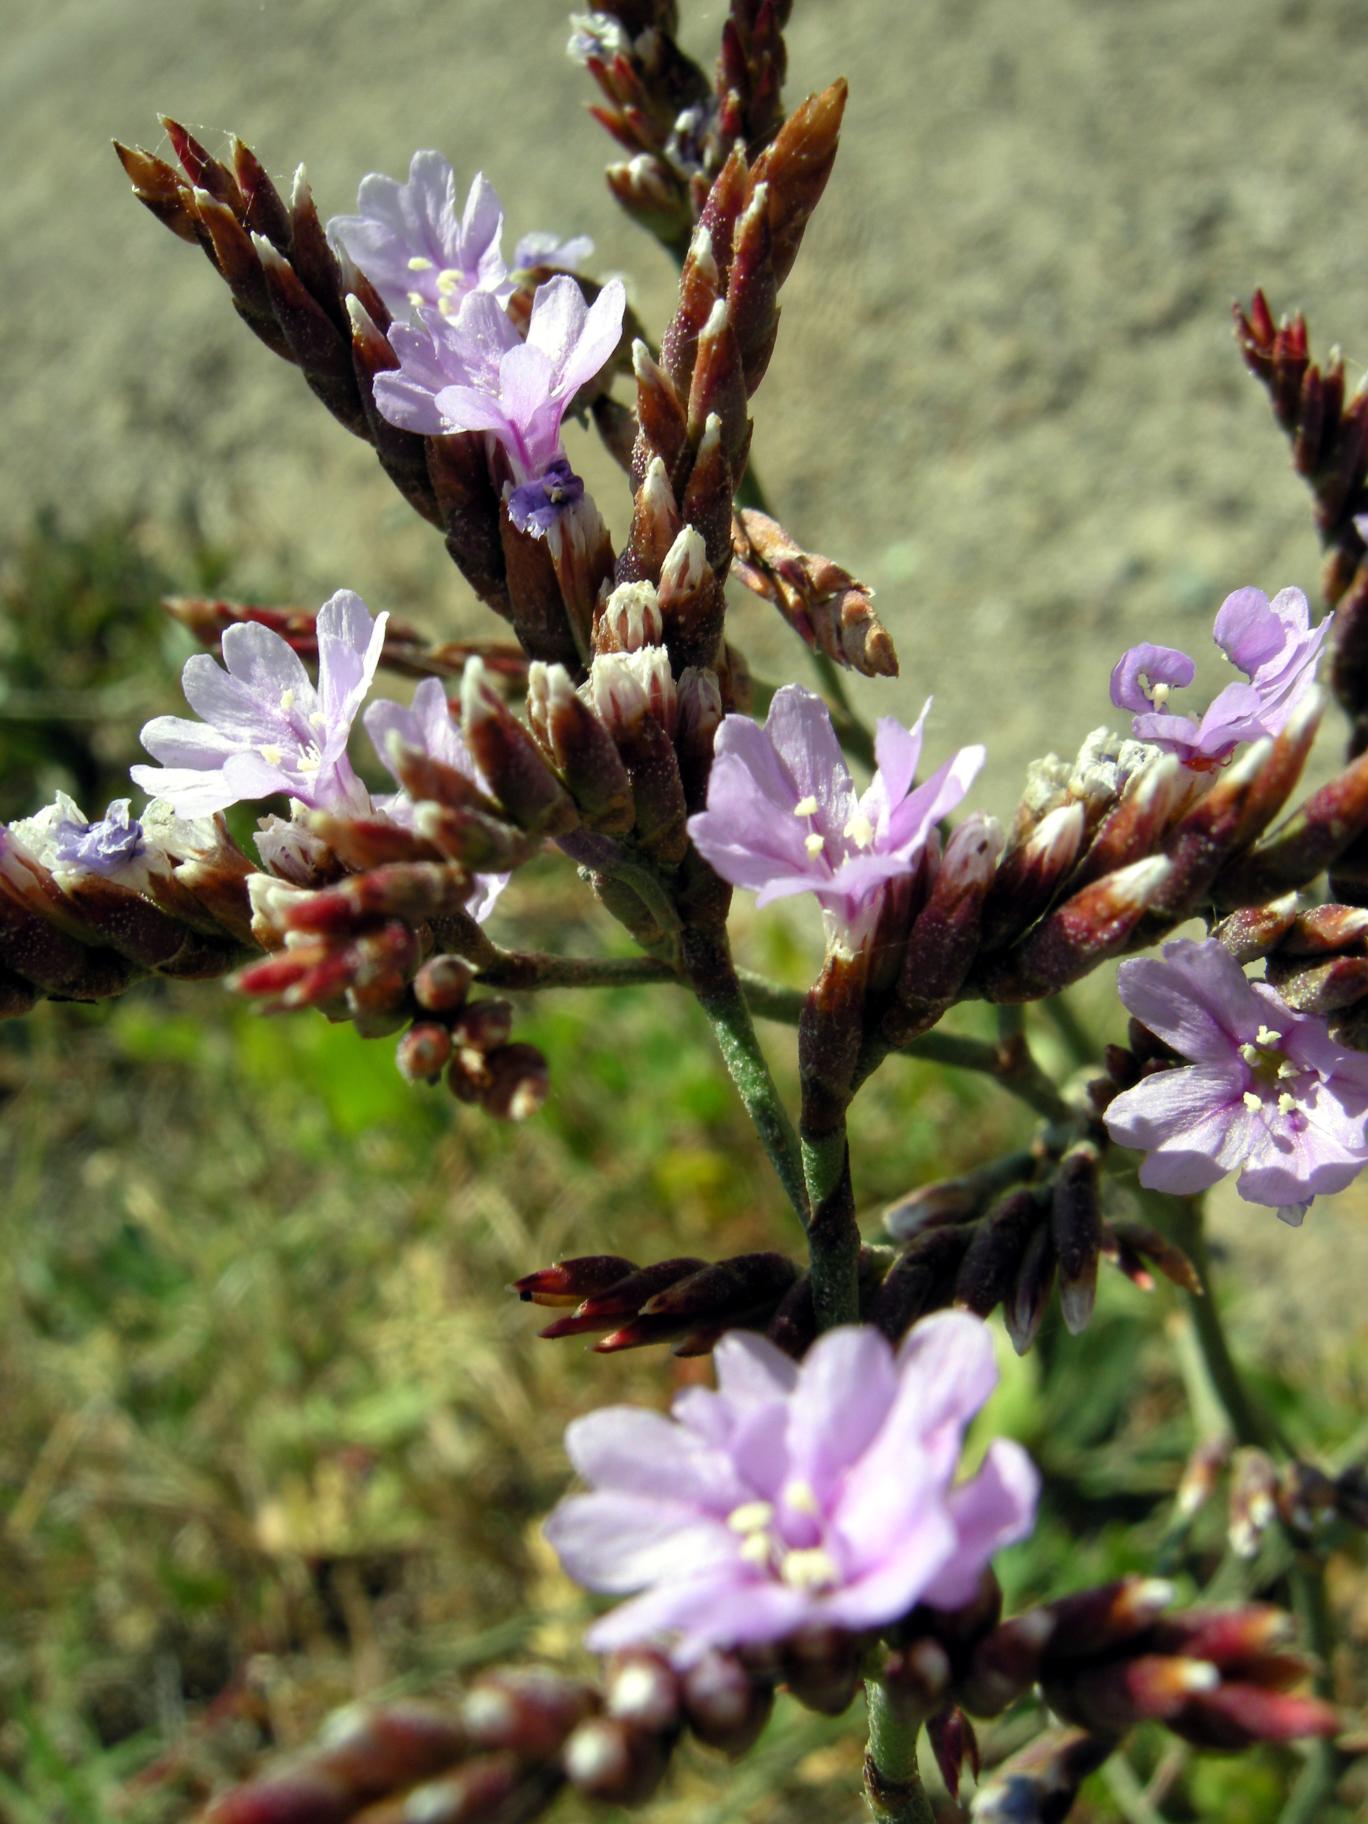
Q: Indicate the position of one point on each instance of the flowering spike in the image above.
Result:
(795, 167)
(1089, 927)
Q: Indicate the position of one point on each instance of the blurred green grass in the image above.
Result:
(276, 1435)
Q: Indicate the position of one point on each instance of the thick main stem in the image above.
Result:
(829, 1033)
(893, 1784)
(711, 974)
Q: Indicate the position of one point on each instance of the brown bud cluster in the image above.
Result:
(1112, 1657)
(1303, 1500)
(1328, 431)
(178, 908)
(1007, 1234)
(825, 606)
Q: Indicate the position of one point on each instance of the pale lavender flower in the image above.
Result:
(795, 1496)
(1272, 643)
(474, 372)
(1266, 1093)
(427, 726)
(412, 245)
(783, 817)
(265, 728)
(541, 248)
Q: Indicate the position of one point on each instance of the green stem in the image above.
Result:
(1252, 1425)
(893, 1783)
(711, 974)
(1078, 1041)
(833, 1238)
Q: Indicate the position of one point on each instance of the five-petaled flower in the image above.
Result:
(1266, 1093)
(783, 817)
(1272, 643)
(429, 728)
(265, 728)
(474, 372)
(795, 1496)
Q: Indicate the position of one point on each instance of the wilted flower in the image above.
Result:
(474, 372)
(412, 245)
(1272, 643)
(265, 727)
(429, 727)
(102, 847)
(796, 1496)
(1267, 1092)
(782, 815)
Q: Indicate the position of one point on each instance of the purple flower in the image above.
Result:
(265, 728)
(412, 245)
(474, 372)
(1267, 1092)
(820, 1495)
(783, 818)
(1272, 643)
(428, 727)
(537, 505)
(100, 848)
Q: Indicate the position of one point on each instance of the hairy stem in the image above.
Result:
(711, 974)
(833, 1238)
(893, 1783)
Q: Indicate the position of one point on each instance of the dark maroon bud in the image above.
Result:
(483, 1025)
(1076, 1226)
(748, 1283)
(491, 1789)
(508, 757)
(1237, 1715)
(1030, 1294)
(821, 1668)
(996, 1248)
(423, 1052)
(519, 1081)
(1160, 1252)
(922, 1279)
(1112, 1699)
(953, 1742)
(299, 1797)
(726, 1705)
(1040, 1784)
(571, 1281)
(529, 1711)
(376, 1751)
(608, 1760)
(642, 1689)
(1005, 1663)
(623, 1298)
(1252, 931)
(441, 985)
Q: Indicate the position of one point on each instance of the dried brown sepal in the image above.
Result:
(997, 1246)
(581, 748)
(1160, 1252)
(1067, 944)
(1076, 1226)
(1252, 931)
(796, 166)
(160, 188)
(1312, 839)
(508, 757)
(750, 71)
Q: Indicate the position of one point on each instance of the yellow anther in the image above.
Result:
(449, 280)
(1286, 1103)
(750, 1517)
(814, 844)
(271, 754)
(420, 263)
(808, 1570)
(416, 297)
(1266, 1036)
(1252, 1102)
(860, 830)
(1286, 1070)
(801, 1497)
(806, 807)
(1160, 695)
(755, 1548)
(287, 698)
(1250, 1053)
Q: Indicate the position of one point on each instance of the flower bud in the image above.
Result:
(581, 748)
(821, 1669)
(997, 1246)
(569, 1282)
(1253, 1500)
(953, 1742)
(608, 1760)
(725, 1705)
(529, 1711)
(518, 1082)
(441, 985)
(423, 1052)
(1025, 1308)
(508, 758)
(1252, 931)
(1076, 1226)
(628, 619)
(643, 1690)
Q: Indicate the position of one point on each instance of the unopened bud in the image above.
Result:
(1076, 1224)
(441, 985)
(569, 1282)
(629, 619)
(609, 1760)
(519, 1081)
(725, 1705)
(581, 747)
(821, 1669)
(1253, 1500)
(423, 1052)
(508, 758)
(996, 1249)
(528, 1711)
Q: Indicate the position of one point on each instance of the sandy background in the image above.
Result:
(1010, 397)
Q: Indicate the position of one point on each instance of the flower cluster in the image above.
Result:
(795, 1496)
(1272, 643)
(1265, 1091)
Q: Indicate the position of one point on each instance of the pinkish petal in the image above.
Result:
(751, 1371)
(1247, 631)
(846, 1386)
(1197, 999)
(628, 1448)
(897, 1582)
(1182, 1119)
(992, 1510)
(799, 729)
(615, 1541)
(1157, 664)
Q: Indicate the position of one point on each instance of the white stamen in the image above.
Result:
(750, 1517)
(808, 1570)
(1160, 694)
(806, 807)
(1252, 1102)
(1266, 1036)
(420, 263)
(271, 754)
(814, 844)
